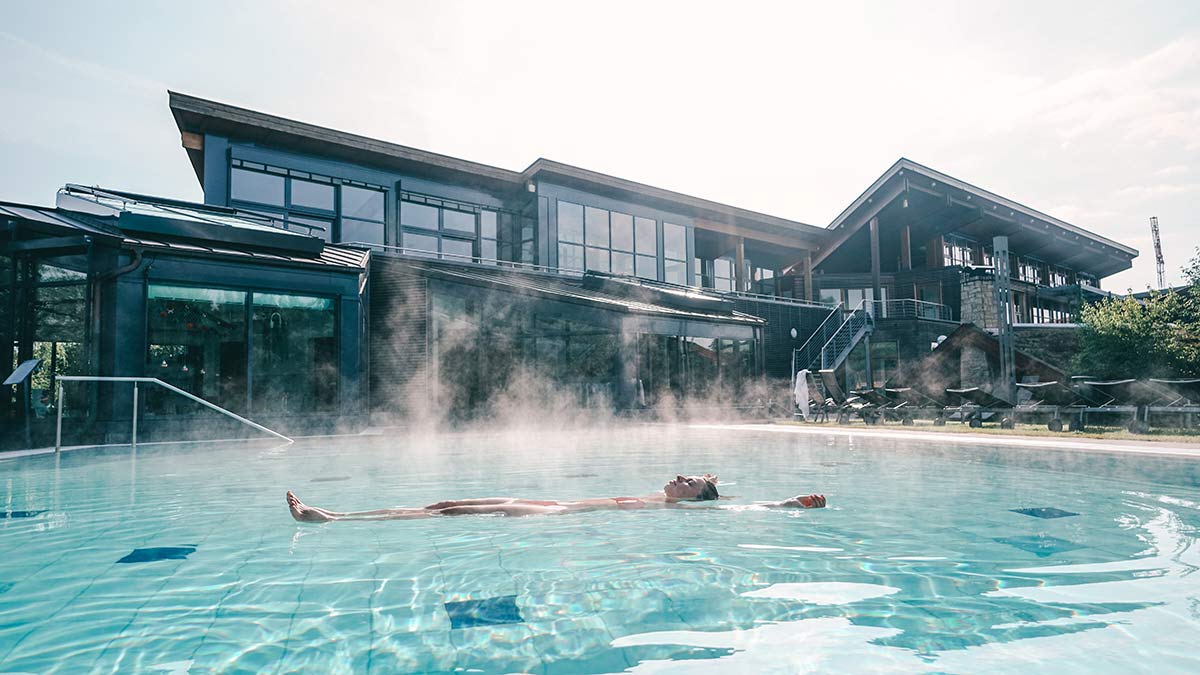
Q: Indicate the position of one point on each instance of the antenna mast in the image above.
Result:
(1162, 267)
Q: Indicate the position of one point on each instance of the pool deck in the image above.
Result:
(1150, 448)
(1156, 448)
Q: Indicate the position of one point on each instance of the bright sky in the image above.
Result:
(1089, 111)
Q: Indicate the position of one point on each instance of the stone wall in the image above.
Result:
(1054, 344)
(979, 302)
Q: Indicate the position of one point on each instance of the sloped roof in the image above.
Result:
(564, 288)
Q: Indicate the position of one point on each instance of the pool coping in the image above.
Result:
(1156, 448)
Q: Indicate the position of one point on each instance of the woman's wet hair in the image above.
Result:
(709, 491)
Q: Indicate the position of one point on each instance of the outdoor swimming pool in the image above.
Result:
(185, 560)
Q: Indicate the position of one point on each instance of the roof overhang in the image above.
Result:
(708, 214)
(198, 116)
(935, 203)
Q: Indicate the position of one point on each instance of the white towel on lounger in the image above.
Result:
(801, 393)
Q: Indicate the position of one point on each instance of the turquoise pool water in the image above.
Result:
(185, 560)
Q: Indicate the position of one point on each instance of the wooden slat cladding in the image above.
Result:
(399, 339)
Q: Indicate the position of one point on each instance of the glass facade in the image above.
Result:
(675, 267)
(453, 230)
(334, 210)
(294, 353)
(596, 239)
(957, 251)
(673, 366)
(242, 350)
(479, 349)
(43, 315)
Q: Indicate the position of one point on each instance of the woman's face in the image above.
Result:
(684, 487)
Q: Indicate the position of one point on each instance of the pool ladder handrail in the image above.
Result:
(150, 380)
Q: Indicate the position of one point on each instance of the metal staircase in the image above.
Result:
(835, 338)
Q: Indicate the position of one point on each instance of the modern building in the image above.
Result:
(330, 281)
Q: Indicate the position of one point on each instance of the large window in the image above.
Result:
(957, 251)
(453, 230)
(262, 352)
(363, 215)
(675, 269)
(294, 354)
(332, 209)
(197, 339)
(596, 239)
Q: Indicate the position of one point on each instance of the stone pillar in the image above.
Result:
(973, 368)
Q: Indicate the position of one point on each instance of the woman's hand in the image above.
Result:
(805, 502)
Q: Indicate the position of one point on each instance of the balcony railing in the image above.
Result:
(907, 308)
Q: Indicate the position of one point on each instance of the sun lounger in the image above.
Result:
(1135, 397)
(885, 405)
(979, 405)
(1052, 398)
(839, 402)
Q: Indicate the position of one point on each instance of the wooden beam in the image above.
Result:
(739, 274)
(801, 242)
(192, 141)
(905, 249)
(808, 276)
(874, 225)
(877, 204)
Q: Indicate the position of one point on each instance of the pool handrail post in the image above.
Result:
(171, 387)
(133, 431)
(58, 414)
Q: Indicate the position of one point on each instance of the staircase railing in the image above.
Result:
(857, 324)
(810, 351)
(149, 380)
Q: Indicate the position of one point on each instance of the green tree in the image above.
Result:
(1123, 337)
(1191, 271)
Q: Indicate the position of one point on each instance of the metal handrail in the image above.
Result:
(778, 298)
(152, 380)
(859, 315)
(820, 334)
(911, 308)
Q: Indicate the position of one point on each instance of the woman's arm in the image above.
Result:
(799, 502)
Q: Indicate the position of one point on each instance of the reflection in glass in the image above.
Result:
(622, 232)
(487, 224)
(570, 223)
(294, 354)
(418, 215)
(362, 231)
(596, 227)
(362, 203)
(197, 339)
(458, 221)
(597, 259)
(458, 247)
(675, 272)
(420, 242)
(570, 257)
(647, 267)
(647, 236)
(674, 241)
(622, 263)
(255, 186)
(312, 195)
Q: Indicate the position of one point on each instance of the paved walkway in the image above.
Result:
(1160, 448)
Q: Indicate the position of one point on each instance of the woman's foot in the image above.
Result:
(304, 513)
(808, 501)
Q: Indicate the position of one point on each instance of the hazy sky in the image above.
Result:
(1089, 111)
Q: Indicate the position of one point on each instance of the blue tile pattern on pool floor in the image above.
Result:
(158, 553)
(1040, 545)
(22, 514)
(484, 612)
(1045, 512)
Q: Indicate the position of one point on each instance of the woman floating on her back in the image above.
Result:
(677, 493)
